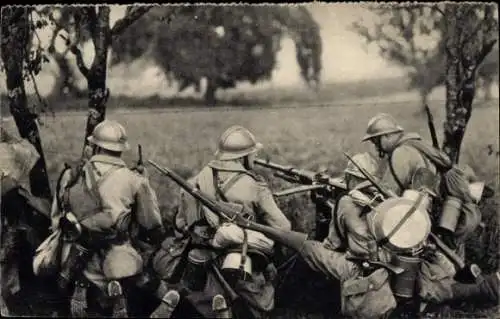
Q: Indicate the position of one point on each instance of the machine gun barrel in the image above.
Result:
(294, 240)
(299, 189)
(302, 176)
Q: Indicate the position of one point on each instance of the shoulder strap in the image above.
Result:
(221, 191)
(94, 184)
(393, 172)
(76, 173)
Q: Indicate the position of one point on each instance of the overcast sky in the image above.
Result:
(344, 55)
(344, 58)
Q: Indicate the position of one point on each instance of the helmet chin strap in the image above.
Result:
(381, 153)
(246, 163)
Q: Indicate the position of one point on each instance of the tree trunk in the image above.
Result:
(15, 37)
(210, 99)
(465, 52)
(96, 77)
(453, 126)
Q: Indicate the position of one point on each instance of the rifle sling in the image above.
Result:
(408, 214)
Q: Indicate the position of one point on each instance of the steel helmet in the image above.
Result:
(236, 142)
(381, 124)
(110, 135)
(366, 161)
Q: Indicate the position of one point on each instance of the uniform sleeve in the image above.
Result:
(334, 240)
(405, 161)
(271, 213)
(148, 211)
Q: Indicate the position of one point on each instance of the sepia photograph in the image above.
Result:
(306, 160)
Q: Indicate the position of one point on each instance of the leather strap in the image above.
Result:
(408, 214)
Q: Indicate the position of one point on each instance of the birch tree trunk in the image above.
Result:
(96, 75)
(452, 129)
(469, 40)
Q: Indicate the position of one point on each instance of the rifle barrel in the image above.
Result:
(299, 189)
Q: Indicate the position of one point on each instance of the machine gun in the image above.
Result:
(234, 213)
(465, 272)
(324, 191)
(313, 180)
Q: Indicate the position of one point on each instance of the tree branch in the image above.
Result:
(129, 19)
(437, 9)
(485, 51)
(79, 57)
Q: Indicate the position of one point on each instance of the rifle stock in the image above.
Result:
(292, 239)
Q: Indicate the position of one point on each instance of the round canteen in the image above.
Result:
(413, 232)
(232, 263)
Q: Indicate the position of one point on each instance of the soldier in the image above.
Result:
(230, 178)
(348, 228)
(104, 210)
(349, 253)
(460, 215)
(23, 219)
(406, 152)
(367, 277)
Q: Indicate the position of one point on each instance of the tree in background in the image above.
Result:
(22, 61)
(413, 37)
(94, 20)
(223, 44)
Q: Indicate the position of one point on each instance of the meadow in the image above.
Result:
(307, 137)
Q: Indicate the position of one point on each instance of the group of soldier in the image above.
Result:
(108, 237)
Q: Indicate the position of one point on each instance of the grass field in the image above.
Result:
(311, 138)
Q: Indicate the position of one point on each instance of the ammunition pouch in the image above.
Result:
(78, 257)
(70, 227)
(168, 262)
(368, 296)
(96, 239)
(368, 266)
(152, 237)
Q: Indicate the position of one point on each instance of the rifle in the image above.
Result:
(465, 271)
(432, 129)
(139, 167)
(234, 213)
